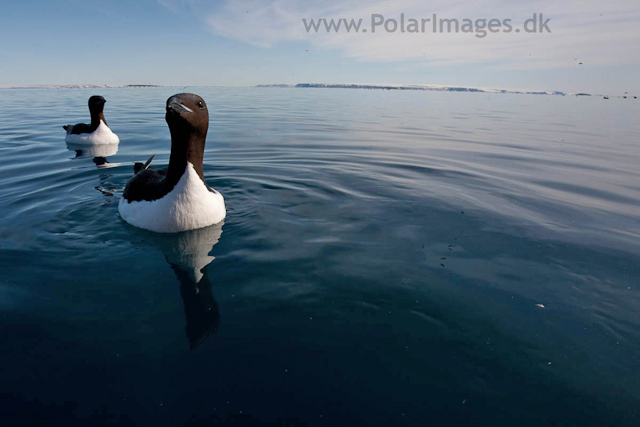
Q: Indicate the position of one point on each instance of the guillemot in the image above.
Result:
(177, 198)
(97, 132)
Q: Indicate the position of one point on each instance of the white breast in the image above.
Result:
(102, 135)
(190, 205)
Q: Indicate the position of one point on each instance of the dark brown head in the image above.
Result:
(96, 104)
(187, 113)
(188, 120)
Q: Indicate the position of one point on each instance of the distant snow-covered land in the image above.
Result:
(379, 86)
(90, 86)
(56, 87)
(417, 87)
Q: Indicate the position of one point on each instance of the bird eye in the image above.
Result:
(200, 104)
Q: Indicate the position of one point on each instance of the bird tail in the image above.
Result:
(140, 166)
(68, 128)
(146, 165)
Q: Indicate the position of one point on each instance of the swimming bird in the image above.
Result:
(97, 132)
(177, 198)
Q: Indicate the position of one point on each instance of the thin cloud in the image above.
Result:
(589, 31)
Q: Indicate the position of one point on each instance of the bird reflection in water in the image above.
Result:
(98, 152)
(188, 255)
(200, 307)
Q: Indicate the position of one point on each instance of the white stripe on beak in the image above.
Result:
(185, 107)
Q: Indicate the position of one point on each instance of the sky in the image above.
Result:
(593, 45)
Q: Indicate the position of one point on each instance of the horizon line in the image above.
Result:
(418, 86)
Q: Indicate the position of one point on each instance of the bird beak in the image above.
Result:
(178, 107)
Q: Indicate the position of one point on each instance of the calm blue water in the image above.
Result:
(382, 262)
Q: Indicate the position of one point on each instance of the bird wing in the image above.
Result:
(77, 129)
(146, 184)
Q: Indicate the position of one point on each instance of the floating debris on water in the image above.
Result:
(103, 191)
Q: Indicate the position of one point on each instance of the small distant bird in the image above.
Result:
(177, 198)
(95, 133)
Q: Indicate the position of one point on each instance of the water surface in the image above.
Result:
(388, 257)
